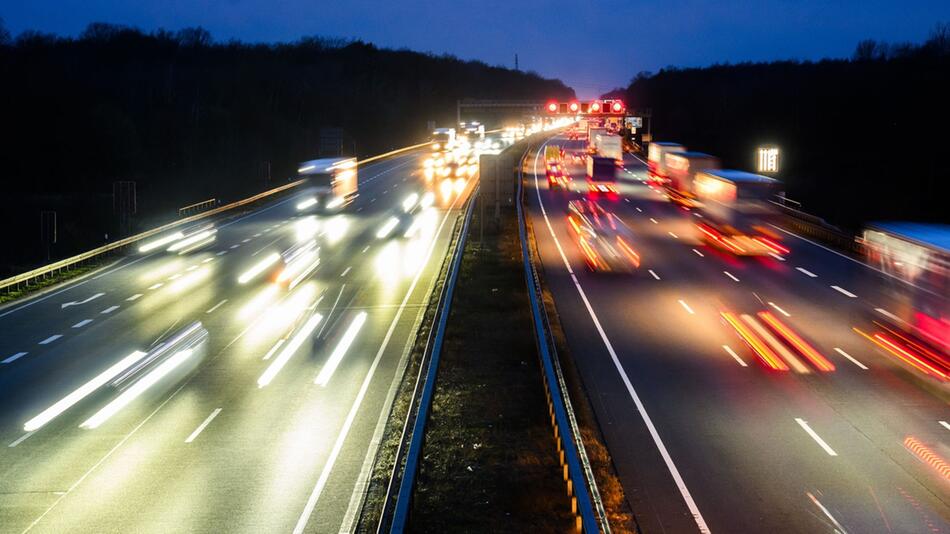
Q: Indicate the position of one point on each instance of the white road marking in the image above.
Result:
(653, 274)
(257, 234)
(676, 237)
(82, 323)
(216, 306)
(21, 439)
(806, 272)
(852, 359)
(50, 339)
(944, 424)
(653, 220)
(156, 286)
(359, 208)
(222, 253)
(776, 256)
(234, 246)
(245, 240)
(372, 200)
(202, 426)
(844, 292)
(365, 249)
(134, 297)
(175, 276)
(734, 355)
(888, 314)
(824, 510)
(207, 260)
(345, 271)
(686, 306)
(192, 268)
(75, 303)
(15, 357)
(780, 310)
(274, 348)
(696, 213)
(727, 273)
(667, 459)
(701, 255)
(814, 435)
(626, 200)
(640, 210)
(109, 310)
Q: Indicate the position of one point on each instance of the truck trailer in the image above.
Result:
(610, 146)
(601, 175)
(656, 159)
(736, 212)
(682, 168)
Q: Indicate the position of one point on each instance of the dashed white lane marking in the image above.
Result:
(222, 253)
(175, 276)
(844, 292)
(686, 307)
(359, 209)
(345, 271)
(50, 339)
(207, 260)
(372, 200)
(653, 274)
(652, 220)
(109, 310)
(673, 235)
(814, 435)
(626, 200)
(21, 439)
(134, 297)
(944, 424)
(806, 272)
(851, 358)
(727, 273)
(15, 357)
(156, 286)
(365, 249)
(696, 213)
(82, 323)
(640, 210)
(698, 253)
(192, 268)
(257, 235)
(234, 246)
(780, 310)
(216, 306)
(776, 256)
(245, 240)
(887, 314)
(203, 425)
(735, 356)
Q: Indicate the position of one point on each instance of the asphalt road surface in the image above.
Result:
(707, 438)
(206, 448)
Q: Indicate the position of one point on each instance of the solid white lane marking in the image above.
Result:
(727, 273)
(806, 272)
(345, 271)
(21, 439)
(77, 303)
(652, 220)
(653, 274)
(15, 357)
(888, 314)
(50, 339)
(216, 306)
(780, 310)
(945, 424)
(203, 425)
(109, 310)
(735, 356)
(686, 306)
(676, 237)
(814, 435)
(156, 286)
(844, 292)
(698, 253)
(134, 297)
(776, 256)
(82, 323)
(851, 358)
(667, 459)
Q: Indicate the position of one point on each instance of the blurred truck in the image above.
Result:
(736, 212)
(443, 139)
(601, 175)
(656, 160)
(333, 180)
(592, 134)
(610, 146)
(682, 168)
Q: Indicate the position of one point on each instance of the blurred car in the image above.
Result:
(557, 177)
(604, 240)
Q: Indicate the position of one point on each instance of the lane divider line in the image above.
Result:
(686, 306)
(844, 292)
(50, 339)
(730, 275)
(82, 323)
(203, 425)
(701, 255)
(134, 297)
(735, 356)
(109, 310)
(780, 310)
(851, 359)
(15, 357)
(653, 274)
(814, 435)
(806, 272)
(216, 306)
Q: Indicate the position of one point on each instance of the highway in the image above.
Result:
(230, 440)
(706, 437)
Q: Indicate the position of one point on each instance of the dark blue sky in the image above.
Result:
(592, 46)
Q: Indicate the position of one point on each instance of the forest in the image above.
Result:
(860, 139)
(188, 118)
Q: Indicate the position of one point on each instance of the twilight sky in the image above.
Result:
(592, 46)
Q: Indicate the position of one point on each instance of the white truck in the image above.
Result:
(682, 168)
(736, 211)
(610, 146)
(443, 139)
(656, 159)
(333, 180)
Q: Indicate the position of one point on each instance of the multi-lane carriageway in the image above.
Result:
(707, 437)
(213, 450)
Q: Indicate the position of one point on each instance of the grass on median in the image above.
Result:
(51, 280)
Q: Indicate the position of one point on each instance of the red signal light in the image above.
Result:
(552, 107)
(574, 106)
(617, 107)
(594, 107)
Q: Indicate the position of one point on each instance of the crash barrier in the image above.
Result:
(197, 207)
(817, 228)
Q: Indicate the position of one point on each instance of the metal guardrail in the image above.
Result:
(197, 207)
(28, 276)
(817, 228)
(432, 354)
(577, 472)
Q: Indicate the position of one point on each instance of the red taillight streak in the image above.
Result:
(772, 245)
(908, 357)
(760, 348)
(796, 341)
(634, 257)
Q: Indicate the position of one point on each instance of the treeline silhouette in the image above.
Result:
(861, 139)
(188, 118)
